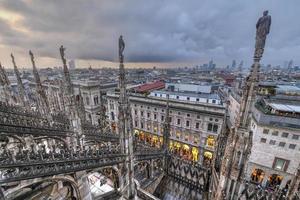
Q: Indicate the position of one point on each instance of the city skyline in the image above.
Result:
(159, 34)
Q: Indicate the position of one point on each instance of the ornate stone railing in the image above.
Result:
(93, 132)
(18, 116)
(34, 165)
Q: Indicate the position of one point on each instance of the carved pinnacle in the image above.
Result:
(13, 59)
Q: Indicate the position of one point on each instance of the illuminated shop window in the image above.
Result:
(210, 141)
(208, 155)
(195, 154)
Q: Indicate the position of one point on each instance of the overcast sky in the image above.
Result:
(156, 32)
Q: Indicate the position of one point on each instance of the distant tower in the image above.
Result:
(233, 65)
(241, 65)
(211, 64)
(72, 64)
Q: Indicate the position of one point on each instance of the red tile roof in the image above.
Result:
(150, 86)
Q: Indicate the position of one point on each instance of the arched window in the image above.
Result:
(96, 100)
(112, 116)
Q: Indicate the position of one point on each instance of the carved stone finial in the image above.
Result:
(31, 55)
(13, 59)
(62, 53)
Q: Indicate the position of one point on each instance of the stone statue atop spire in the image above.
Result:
(262, 30)
(121, 49)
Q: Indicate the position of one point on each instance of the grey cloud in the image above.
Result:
(156, 31)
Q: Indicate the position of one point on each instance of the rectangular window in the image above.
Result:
(292, 146)
(197, 99)
(215, 128)
(142, 114)
(162, 118)
(272, 142)
(135, 112)
(148, 115)
(213, 101)
(285, 134)
(155, 116)
(187, 123)
(275, 133)
(178, 121)
(188, 115)
(197, 125)
(295, 137)
(266, 131)
(188, 98)
(177, 97)
(281, 144)
(263, 140)
(209, 127)
(142, 125)
(280, 164)
(135, 123)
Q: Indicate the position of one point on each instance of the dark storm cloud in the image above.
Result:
(155, 31)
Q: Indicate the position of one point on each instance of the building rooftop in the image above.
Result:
(285, 107)
(189, 94)
(156, 85)
(288, 89)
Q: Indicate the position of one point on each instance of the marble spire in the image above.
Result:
(21, 88)
(39, 88)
